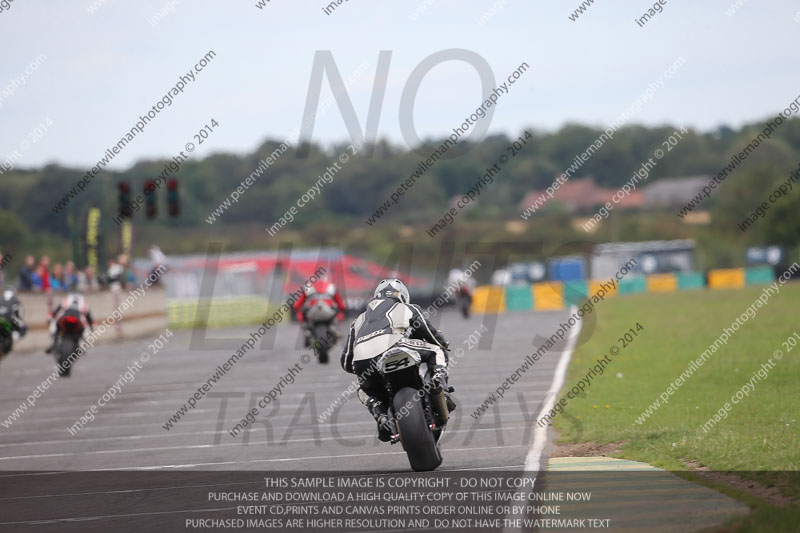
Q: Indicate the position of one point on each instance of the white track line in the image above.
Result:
(534, 457)
(287, 459)
(222, 445)
(540, 434)
(127, 491)
(112, 516)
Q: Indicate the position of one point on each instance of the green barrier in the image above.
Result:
(519, 298)
(756, 275)
(575, 292)
(691, 280)
(633, 284)
(221, 312)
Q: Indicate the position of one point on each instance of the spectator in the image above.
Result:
(70, 279)
(26, 275)
(87, 280)
(130, 278)
(43, 272)
(37, 280)
(115, 274)
(91, 276)
(57, 278)
(127, 279)
(159, 260)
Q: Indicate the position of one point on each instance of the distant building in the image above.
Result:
(652, 257)
(583, 195)
(673, 192)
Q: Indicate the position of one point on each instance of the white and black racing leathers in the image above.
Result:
(385, 322)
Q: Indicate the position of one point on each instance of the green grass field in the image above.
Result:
(759, 439)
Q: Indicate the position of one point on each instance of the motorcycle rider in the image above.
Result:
(73, 305)
(11, 308)
(322, 289)
(390, 318)
(462, 283)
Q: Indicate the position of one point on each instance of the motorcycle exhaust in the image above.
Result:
(440, 411)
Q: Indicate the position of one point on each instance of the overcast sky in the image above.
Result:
(103, 70)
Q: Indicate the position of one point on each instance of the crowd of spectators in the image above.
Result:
(40, 277)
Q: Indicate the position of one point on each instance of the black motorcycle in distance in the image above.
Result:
(320, 317)
(11, 312)
(464, 301)
(70, 331)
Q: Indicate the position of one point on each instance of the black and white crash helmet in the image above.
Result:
(392, 288)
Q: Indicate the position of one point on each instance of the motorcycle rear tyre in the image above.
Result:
(415, 435)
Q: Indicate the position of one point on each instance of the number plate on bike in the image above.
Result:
(399, 359)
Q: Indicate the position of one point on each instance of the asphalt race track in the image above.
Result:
(129, 434)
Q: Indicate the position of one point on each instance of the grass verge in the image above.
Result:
(759, 436)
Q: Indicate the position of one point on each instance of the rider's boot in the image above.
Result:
(386, 426)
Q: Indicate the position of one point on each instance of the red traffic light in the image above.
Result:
(172, 197)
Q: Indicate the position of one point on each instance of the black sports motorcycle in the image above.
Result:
(70, 331)
(418, 406)
(11, 312)
(320, 318)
